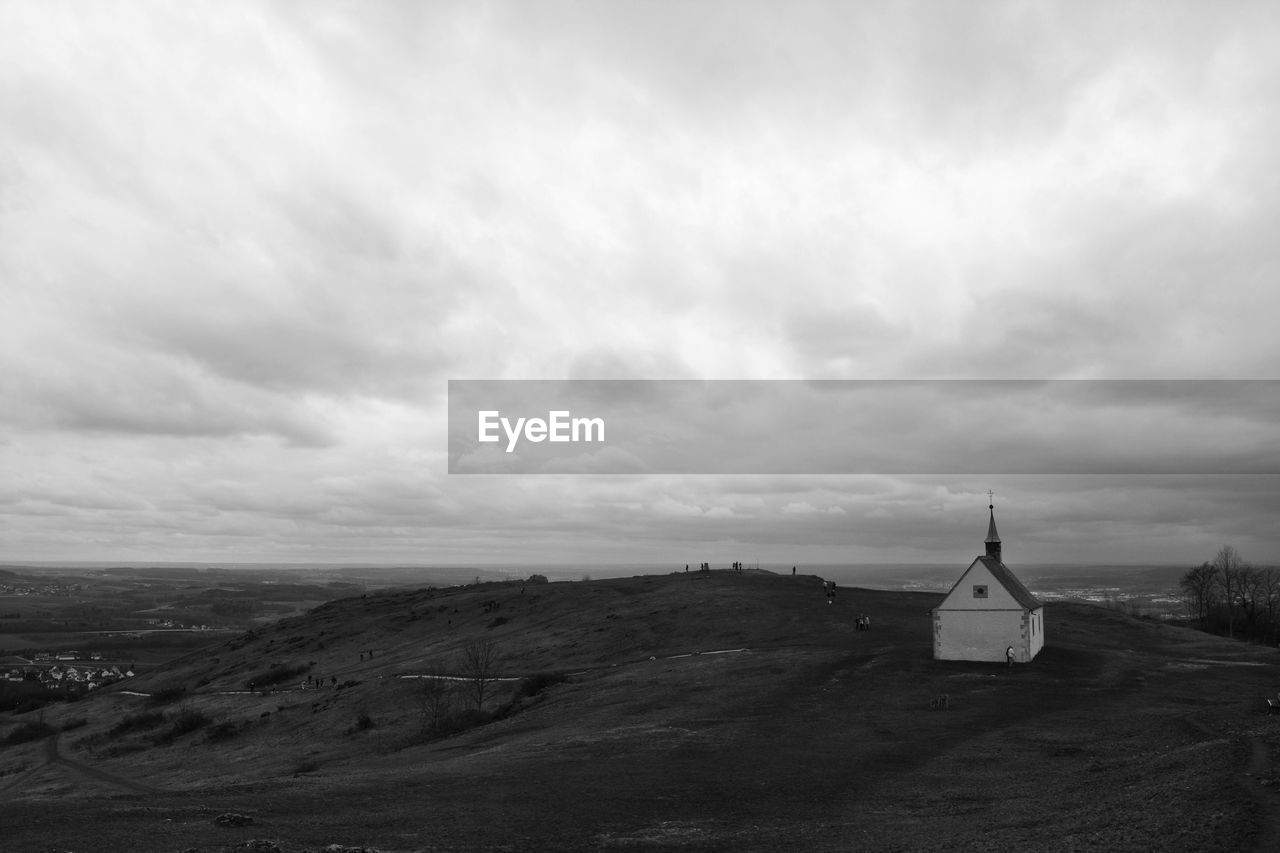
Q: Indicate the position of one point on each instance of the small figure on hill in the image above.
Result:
(793, 571)
(1008, 655)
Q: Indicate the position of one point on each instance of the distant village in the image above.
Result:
(179, 626)
(69, 670)
(79, 671)
(56, 588)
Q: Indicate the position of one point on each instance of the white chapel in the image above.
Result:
(988, 611)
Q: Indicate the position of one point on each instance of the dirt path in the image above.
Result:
(1255, 781)
(1259, 784)
(54, 757)
(21, 777)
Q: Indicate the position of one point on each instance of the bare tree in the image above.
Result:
(1199, 590)
(1252, 599)
(1230, 568)
(480, 661)
(436, 697)
(1270, 587)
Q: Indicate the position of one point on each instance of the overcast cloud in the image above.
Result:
(245, 245)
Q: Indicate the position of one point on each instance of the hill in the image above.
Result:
(730, 711)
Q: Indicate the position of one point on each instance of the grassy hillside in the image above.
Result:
(712, 712)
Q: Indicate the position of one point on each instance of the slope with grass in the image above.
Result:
(730, 711)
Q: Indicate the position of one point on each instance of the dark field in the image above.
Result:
(722, 712)
(144, 616)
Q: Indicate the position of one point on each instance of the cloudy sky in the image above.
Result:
(244, 246)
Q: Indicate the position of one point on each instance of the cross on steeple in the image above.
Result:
(993, 538)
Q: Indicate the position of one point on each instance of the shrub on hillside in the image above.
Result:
(119, 750)
(363, 723)
(306, 765)
(168, 693)
(276, 674)
(467, 718)
(185, 722)
(223, 731)
(89, 741)
(537, 579)
(26, 702)
(26, 732)
(137, 722)
(535, 684)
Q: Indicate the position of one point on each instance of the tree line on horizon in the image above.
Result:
(1228, 596)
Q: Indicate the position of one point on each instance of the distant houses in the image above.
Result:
(988, 615)
(45, 589)
(68, 670)
(90, 678)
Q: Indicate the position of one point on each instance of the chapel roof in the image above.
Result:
(1011, 583)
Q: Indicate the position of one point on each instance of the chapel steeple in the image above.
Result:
(993, 538)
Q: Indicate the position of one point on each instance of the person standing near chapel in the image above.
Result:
(1008, 655)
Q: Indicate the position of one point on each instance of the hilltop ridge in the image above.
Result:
(707, 711)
